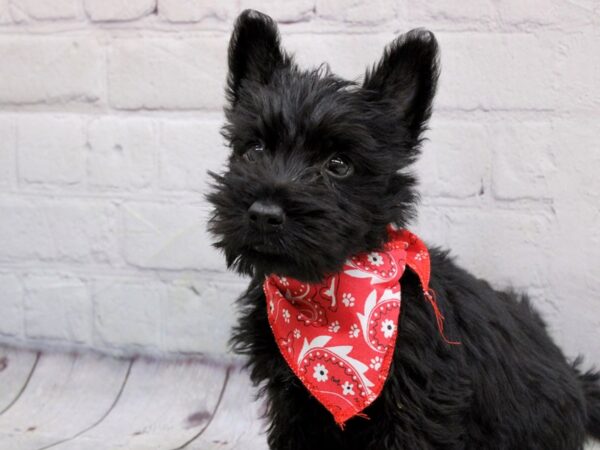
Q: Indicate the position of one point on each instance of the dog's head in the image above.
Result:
(317, 169)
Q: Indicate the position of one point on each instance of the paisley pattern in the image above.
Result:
(338, 336)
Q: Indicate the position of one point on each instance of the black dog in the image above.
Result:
(316, 175)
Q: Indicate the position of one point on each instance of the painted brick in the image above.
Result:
(122, 153)
(576, 149)
(51, 149)
(195, 10)
(82, 231)
(50, 9)
(431, 225)
(5, 15)
(577, 70)
(8, 144)
(348, 55)
(576, 245)
(167, 73)
(544, 12)
(520, 251)
(12, 12)
(170, 237)
(455, 161)
(194, 306)
(357, 11)
(57, 308)
(50, 70)
(11, 305)
(188, 150)
(284, 12)
(523, 159)
(126, 313)
(118, 10)
(505, 14)
(59, 230)
(471, 78)
(517, 114)
(576, 195)
(24, 233)
(436, 12)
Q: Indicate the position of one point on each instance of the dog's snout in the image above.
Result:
(265, 215)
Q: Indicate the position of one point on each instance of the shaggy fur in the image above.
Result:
(506, 386)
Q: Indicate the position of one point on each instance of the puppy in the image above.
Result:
(313, 206)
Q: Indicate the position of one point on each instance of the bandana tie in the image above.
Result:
(338, 336)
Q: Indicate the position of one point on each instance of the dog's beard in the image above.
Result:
(319, 234)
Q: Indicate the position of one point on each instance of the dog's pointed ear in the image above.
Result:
(254, 51)
(407, 74)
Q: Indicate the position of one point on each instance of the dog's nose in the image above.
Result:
(265, 215)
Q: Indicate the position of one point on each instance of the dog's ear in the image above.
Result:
(254, 51)
(407, 75)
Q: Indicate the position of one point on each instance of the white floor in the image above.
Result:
(92, 402)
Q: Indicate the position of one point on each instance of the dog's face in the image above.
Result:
(316, 171)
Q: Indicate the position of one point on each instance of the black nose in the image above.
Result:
(265, 215)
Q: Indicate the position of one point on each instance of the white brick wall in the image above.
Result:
(110, 115)
(117, 10)
(46, 70)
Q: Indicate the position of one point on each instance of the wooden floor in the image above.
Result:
(92, 402)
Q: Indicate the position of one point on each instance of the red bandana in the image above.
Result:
(338, 336)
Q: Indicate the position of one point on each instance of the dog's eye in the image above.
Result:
(338, 167)
(253, 152)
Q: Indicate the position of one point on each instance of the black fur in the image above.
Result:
(506, 386)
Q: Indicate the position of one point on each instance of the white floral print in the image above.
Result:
(348, 300)
(347, 388)
(376, 363)
(420, 256)
(286, 316)
(271, 306)
(284, 281)
(354, 331)
(334, 327)
(375, 259)
(387, 328)
(297, 333)
(320, 373)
